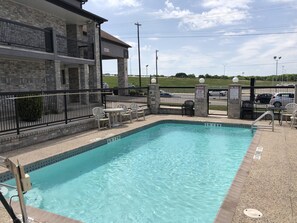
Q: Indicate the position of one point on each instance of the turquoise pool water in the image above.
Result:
(166, 173)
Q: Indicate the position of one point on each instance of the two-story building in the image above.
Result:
(55, 45)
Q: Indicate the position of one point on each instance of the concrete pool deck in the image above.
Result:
(268, 185)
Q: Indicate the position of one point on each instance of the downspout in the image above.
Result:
(100, 57)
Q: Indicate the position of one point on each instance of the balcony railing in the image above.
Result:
(29, 37)
(23, 36)
(74, 48)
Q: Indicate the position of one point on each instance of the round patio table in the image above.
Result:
(113, 112)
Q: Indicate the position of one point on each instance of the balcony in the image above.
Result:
(18, 35)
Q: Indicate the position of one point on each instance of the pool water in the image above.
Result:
(166, 173)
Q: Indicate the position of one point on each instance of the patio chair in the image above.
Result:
(188, 108)
(101, 116)
(294, 118)
(247, 110)
(137, 110)
(125, 113)
(289, 109)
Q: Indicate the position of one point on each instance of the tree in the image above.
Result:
(191, 76)
(181, 75)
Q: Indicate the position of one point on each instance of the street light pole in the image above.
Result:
(276, 58)
(157, 66)
(146, 66)
(139, 65)
(225, 69)
(283, 73)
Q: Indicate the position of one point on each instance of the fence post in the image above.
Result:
(154, 98)
(201, 100)
(65, 108)
(16, 114)
(295, 93)
(234, 101)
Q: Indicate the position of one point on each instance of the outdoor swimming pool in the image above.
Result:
(169, 172)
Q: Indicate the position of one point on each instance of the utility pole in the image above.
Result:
(139, 65)
(157, 80)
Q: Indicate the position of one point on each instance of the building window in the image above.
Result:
(63, 78)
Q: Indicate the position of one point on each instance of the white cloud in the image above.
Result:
(226, 3)
(245, 32)
(262, 49)
(172, 12)
(219, 12)
(282, 1)
(192, 63)
(153, 38)
(116, 3)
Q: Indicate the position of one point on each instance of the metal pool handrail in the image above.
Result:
(261, 117)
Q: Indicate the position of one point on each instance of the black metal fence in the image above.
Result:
(175, 96)
(126, 96)
(217, 97)
(20, 111)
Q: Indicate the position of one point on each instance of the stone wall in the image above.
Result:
(9, 143)
(29, 16)
(18, 75)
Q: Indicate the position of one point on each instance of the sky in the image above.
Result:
(216, 37)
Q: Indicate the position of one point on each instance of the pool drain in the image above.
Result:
(252, 213)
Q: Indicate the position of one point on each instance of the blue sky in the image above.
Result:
(234, 37)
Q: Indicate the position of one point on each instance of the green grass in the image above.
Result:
(218, 107)
(181, 82)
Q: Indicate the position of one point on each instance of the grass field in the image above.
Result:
(181, 82)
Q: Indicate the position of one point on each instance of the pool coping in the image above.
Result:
(231, 200)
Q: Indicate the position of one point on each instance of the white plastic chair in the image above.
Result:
(290, 108)
(294, 119)
(125, 113)
(101, 116)
(137, 110)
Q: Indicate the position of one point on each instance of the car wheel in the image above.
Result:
(277, 104)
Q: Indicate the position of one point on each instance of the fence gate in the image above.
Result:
(217, 102)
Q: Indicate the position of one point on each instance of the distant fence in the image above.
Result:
(20, 111)
(217, 97)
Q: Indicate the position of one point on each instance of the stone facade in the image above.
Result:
(20, 13)
(154, 98)
(9, 143)
(234, 101)
(122, 75)
(20, 75)
(201, 103)
(24, 74)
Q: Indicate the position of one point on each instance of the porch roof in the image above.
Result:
(70, 13)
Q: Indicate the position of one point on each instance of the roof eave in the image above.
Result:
(78, 11)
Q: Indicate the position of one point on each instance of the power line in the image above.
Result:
(212, 35)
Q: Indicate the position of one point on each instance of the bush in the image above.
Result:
(132, 92)
(30, 109)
